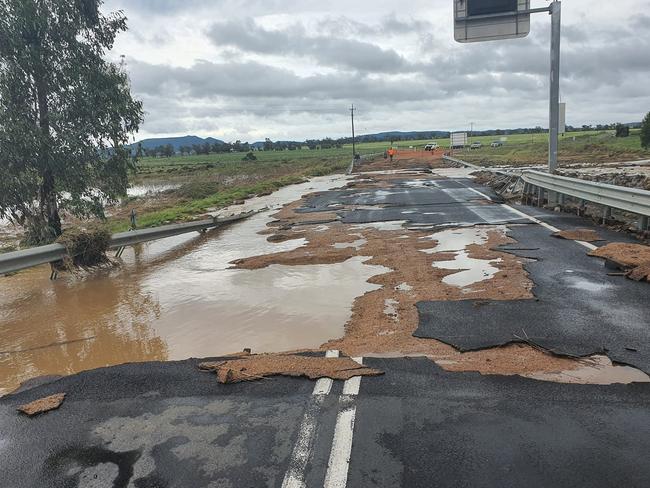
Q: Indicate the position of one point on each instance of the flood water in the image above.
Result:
(174, 299)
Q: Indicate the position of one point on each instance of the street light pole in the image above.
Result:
(554, 109)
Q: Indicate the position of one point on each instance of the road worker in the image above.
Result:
(391, 154)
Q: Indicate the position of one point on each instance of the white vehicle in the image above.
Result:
(432, 146)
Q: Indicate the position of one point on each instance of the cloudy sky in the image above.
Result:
(289, 69)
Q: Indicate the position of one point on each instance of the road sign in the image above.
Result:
(458, 140)
(490, 20)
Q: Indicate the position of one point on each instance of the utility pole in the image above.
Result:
(354, 150)
(554, 112)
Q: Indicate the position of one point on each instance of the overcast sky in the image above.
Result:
(289, 69)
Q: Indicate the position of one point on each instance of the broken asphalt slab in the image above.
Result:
(579, 310)
(419, 426)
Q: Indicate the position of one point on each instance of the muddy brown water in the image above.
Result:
(174, 299)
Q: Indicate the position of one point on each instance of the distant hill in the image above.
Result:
(177, 142)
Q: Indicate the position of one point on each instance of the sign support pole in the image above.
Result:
(554, 109)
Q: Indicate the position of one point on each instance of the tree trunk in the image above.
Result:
(48, 204)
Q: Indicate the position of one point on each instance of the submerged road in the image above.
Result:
(165, 424)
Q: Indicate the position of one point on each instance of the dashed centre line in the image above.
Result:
(339, 460)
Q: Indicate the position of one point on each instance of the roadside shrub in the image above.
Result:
(198, 189)
(622, 130)
(249, 157)
(645, 132)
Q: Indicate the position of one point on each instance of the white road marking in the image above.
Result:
(352, 386)
(295, 475)
(339, 461)
(588, 245)
(324, 385)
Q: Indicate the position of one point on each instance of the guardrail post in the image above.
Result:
(552, 197)
(562, 199)
(581, 209)
(607, 214)
(643, 223)
(540, 196)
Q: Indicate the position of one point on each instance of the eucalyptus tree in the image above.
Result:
(66, 113)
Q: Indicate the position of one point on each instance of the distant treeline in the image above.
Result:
(168, 150)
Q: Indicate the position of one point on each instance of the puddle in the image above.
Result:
(587, 285)
(150, 189)
(404, 287)
(389, 225)
(390, 308)
(285, 195)
(471, 270)
(596, 370)
(173, 299)
(358, 244)
(421, 183)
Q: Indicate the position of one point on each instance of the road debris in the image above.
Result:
(633, 258)
(262, 366)
(42, 405)
(585, 235)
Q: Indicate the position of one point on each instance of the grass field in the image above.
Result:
(518, 149)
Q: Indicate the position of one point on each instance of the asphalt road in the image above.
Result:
(168, 425)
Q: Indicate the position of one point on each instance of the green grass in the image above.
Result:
(577, 147)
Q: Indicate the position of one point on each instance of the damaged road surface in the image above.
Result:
(577, 309)
(424, 334)
(165, 425)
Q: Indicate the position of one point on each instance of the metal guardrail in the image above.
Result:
(15, 261)
(631, 200)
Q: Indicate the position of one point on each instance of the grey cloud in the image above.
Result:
(249, 80)
(353, 54)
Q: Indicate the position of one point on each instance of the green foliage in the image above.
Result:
(66, 113)
(249, 157)
(622, 130)
(645, 132)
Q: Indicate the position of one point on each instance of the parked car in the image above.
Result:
(496, 144)
(432, 146)
(476, 145)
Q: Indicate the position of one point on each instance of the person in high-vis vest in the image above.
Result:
(391, 154)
